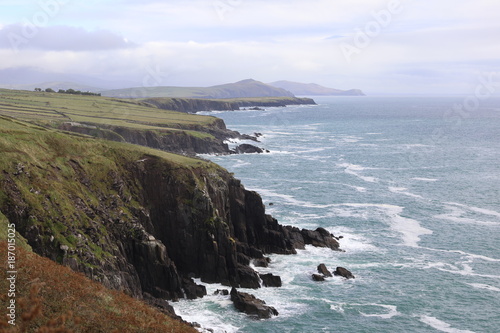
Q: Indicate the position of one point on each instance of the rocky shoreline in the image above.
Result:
(139, 222)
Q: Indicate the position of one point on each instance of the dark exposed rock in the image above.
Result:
(193, 290)
(251, 305)
(223, 292)
(323, 270)
(248, 149)
(161, 304)
(270, 280)
(341, 271)
(184, 222)
(248, 277)
(263, 262)
(243, 259)
(317, 277)
(319, 237)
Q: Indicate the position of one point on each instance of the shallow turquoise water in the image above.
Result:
(414, 190)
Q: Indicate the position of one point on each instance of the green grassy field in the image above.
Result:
(46, 108)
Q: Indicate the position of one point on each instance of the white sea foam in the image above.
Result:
(352, 242)
(457, 213)
(410, 229)
(484, 286)
(240, 163)
(425, 179)
(358, 188)
(392, 311)
(353, 169)
(476, 209)
(403, 190)
(441, 325)
(465, 254)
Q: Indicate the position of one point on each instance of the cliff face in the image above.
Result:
(187, 140)
(191, 105)
(137, 222)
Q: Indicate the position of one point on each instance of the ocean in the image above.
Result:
(413, 186)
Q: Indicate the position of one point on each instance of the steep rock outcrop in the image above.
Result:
(251, 305)
(193, 105)
(138, 222)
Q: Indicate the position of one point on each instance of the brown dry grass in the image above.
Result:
(54, 299)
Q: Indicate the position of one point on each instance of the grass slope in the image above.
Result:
(54, 108)
(53, 298)
(41, 158)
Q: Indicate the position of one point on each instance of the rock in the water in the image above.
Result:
(262, 262)
(341, 271)
(320, 238)
(248, 277)
(251, 305)
(323, 270)
(317, 277)
(270, 280)
(248, 149)
(223, 292)
(193, 290)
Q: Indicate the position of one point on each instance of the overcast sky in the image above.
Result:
(390, 46)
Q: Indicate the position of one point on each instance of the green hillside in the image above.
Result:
(241, 89)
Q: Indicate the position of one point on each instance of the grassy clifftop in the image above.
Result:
(119, 120)
(51, 179)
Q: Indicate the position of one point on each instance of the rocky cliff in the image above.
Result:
(187, 140)
(192, 105)
(137, 220)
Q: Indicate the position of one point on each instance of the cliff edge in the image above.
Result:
(136, 219)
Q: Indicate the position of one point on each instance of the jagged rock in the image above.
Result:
(317, 277)
(184, 220)
(262, 262)
(193, 290)
(161, 304)
(223, 292)
(320, 237)
(323, 270)
(270, 280)
(251, 305)
(243, 259)
(246, 148)
(248, 277)
(341, 271)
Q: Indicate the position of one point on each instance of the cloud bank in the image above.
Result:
(420, 47)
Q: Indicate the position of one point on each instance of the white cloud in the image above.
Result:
(430, 46)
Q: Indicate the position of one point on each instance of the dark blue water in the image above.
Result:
(413, 187)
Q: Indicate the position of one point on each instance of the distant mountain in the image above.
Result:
(313, 89)
(242, 89)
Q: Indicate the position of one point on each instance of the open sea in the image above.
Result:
(413, 186)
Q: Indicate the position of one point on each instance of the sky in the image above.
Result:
(381, 47)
